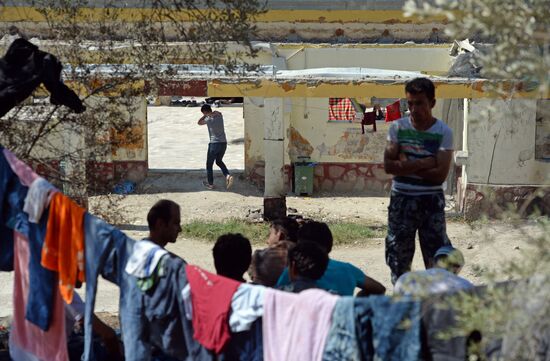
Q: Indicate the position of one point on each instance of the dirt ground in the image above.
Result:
(485, 246)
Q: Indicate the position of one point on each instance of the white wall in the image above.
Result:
(427, 59)
(501, 144)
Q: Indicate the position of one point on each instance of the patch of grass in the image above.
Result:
(347, 232)
(343, 233)
(210, 231)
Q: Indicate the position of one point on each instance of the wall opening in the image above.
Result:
(177, 142)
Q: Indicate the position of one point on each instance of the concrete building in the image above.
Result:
(502, 146)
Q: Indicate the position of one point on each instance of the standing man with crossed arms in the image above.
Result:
(418, 154)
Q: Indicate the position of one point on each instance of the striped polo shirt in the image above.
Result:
(418, 144)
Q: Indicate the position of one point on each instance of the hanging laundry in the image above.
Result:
(63, 249)
(43, 282)
(23, 68)
(296, 325)
(100, 244)
(211, 299)
(25, 173)
(48, 345)
(146, 263)
(368, 119)
(342, 343)
(154, 318)
(144, 259)
(439, 316)
(195, 350)
(393, 111)
(388, 329)
(341, 109)
(247, 305)
(7, 183)
(188, 306)
(245, 345)
(149, 282)
(38, 198)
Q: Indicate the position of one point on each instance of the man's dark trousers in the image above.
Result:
(216, 151)
(407, 214)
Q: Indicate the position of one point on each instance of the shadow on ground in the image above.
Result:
(185, 181)
(191, 180)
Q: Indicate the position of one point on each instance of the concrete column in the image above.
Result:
(274, 193)
(453, 115)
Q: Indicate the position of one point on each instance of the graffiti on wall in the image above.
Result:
(354, 145)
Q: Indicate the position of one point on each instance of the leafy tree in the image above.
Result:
(109, 56)
(516, 314)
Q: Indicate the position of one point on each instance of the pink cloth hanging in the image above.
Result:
(48, 345)
(24, 172)
(296, 325)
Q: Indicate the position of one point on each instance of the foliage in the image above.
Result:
(113, 56)
(518, 31)
(515, 313)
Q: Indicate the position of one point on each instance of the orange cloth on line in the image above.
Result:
(63, 249)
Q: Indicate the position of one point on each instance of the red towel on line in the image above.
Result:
(211, 299)
(393, 111)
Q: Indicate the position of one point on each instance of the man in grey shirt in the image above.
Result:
(216, 147)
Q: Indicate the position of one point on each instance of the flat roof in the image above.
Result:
(319, 82)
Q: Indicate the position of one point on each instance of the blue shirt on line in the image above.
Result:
(340, 278)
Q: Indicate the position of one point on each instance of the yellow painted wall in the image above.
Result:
(323, 88)
(253, 112)
(133, 146)
(355, 24)
(330, 141)
(501, 144)
(135, 14)
(308, 133)
(134, 139)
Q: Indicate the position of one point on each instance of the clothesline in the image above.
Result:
(179, 309)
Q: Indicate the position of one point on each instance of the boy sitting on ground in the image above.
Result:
(340, 277)
(232, 255)
(307, 262)
(268, 264)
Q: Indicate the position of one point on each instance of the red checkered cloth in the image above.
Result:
(341, 109)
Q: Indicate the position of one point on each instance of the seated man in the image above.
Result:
(268, 264)
(443, 277)
(232, 255)
(340, 277)
(307, 262)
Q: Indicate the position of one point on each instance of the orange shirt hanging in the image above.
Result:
(63, 250)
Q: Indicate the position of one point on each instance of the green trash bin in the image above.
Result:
(303, 177)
